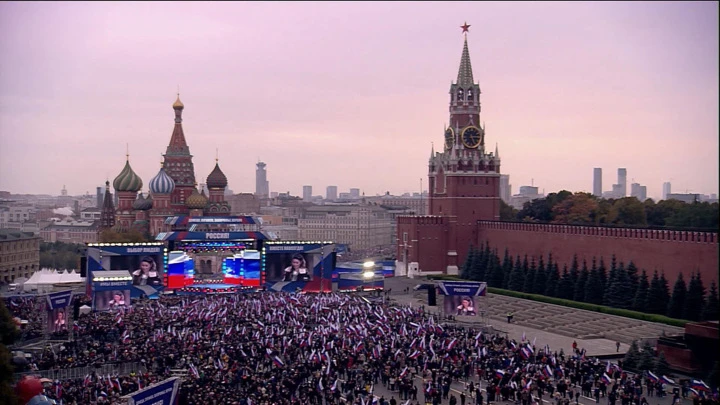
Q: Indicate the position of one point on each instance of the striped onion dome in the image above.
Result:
(162, 183)
(196, 201)
(127, 180)
(142, 203)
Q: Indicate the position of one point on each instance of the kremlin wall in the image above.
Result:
(464, 207)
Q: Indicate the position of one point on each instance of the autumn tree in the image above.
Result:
(627, 211)
(576, 209)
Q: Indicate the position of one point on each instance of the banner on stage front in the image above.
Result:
(60, 299)
(163, 393)
(466, 288)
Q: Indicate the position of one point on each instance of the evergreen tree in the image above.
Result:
(574, 275)
(593, 290)
(632, 357)
(612, 278)
(655, 303)
(8, 334)
(632, 272)
(677, 302)
(662, 367)
(517, 277)
(664, 288)
(553, 278)
(565, 286)
(579, 294)
(695, 300)
(507, 267)
(620, 292)
(540, 277)
(529, 286)
(497, 269)
(480, 265)
(647, 358)
(711, 304)
(640, 301)
(602, 271)
(466, 271)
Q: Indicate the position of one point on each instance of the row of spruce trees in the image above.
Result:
(621, 286)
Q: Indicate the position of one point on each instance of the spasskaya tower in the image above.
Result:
(464, 185)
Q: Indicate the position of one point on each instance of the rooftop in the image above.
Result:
(9, 235)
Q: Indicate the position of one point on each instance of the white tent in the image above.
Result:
(85, 309)
(45, 280)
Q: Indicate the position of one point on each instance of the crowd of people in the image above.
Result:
(286, 349)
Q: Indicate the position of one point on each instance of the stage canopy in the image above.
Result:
(45, 279)
(210, 236)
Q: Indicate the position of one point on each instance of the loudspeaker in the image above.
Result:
(76, 309)
(432, 298)
(83, 266)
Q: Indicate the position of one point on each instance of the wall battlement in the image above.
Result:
(652, 234)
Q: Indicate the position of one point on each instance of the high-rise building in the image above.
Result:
(355, 193)
(505, 188)
(622, 182)
(262, 186)
(667, 189)
(638, 191)
(63, 192)
(331, 194)
(597, 182)
(307, 193)
(99, 197)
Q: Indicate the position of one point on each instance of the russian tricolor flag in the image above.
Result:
(278, 362)
(547, 371)
(452, 344)
(605, 378)
(699, 385)
(404, 372)
(667, 380)
(499, 374)
(652, 377)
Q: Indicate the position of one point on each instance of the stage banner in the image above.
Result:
(466, 288)
(60, 299)
(163, 393)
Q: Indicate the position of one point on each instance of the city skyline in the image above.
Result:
(578, 86)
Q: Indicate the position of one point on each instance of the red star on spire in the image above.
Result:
(465, 27)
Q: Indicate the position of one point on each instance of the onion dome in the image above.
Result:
(162, 183)
(127, 180)
(141, 203)
(196, 201)
(178, 104)
(217, 178)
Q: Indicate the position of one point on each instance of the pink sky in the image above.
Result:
(353, 94)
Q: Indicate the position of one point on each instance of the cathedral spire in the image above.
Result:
(178, 144)
(465, 73)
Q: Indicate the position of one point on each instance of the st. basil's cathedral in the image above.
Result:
(172, 192)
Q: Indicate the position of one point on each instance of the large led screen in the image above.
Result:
(145, 262)
(298, 266)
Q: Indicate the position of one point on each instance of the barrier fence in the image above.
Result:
(80, 372)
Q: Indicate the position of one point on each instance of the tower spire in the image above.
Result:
(465, 73)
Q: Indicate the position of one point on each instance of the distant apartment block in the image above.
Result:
(70, 231)
(244, 204)
(414, 204)
(622, 182)
(355, 193)
(360, 226)
(19, 255)
(685, 197)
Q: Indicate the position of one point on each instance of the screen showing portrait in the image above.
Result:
(57, 320)
(298, 266)
(111, 299)
(145, 269)
(460, 305)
